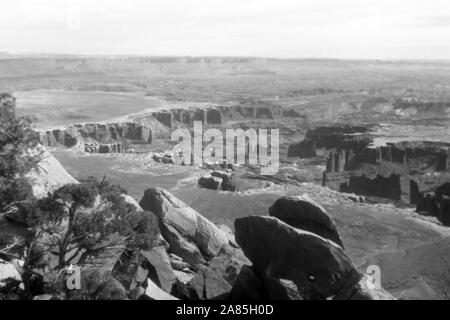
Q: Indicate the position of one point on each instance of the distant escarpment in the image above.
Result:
(415, 156)
(349, 146)
(218, 115)
(353, 163)
(382, 187)
(102, 138)
(434, 203)
(145, 127)
(422, 108)
(334, 137)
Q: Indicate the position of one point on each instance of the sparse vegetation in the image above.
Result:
(17, 140)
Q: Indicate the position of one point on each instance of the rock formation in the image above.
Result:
(218, 115)
(189, 234)
(302, 149)
(382, 187)
(228, 179)
(48, 175)
(210, 182)
(308, 266)
(215, 281)
(436, 203)
(218, 180)
(414, 193)
(317, 273)
(303, 213)
(101, 133)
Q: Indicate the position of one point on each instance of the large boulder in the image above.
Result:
(190, 235)
(303, 213)
(317, 266)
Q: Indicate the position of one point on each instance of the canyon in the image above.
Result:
(398, 171)
(363, 149)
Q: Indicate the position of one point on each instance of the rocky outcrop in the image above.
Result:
(166, 158)
(159, 267)
(210, 182)
(248, 286)
(153, 292)
(348, 138)
(189, 234)
(317, 273)
(215, 281)
(303, 213)
(380, 186)
(340, 137)
(58, 137)
(436, 203)
(338, 160)
(290, 263)
(101, 133)
(352, 146)
(228, 179)
(218, 180)
(302, 149)
(219, 115)
(48, 175)
(414, 193)
(415, 156)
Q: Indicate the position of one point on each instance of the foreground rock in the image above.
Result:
(248, 286)
(190, 236)
(303, 213)
(215, 281)
(317, 267)
(160, 270)
(153, 292)
(48, 175)
(294, 264)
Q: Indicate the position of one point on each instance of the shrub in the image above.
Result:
(84, 218)
(17, 139)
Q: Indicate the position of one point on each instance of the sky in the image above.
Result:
(353, 29)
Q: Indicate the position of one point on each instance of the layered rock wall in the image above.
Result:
(435, 203)
(382, 187)
(102, 133)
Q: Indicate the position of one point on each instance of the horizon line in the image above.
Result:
(124, 55)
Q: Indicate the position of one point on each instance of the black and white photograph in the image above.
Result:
(232, 152)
